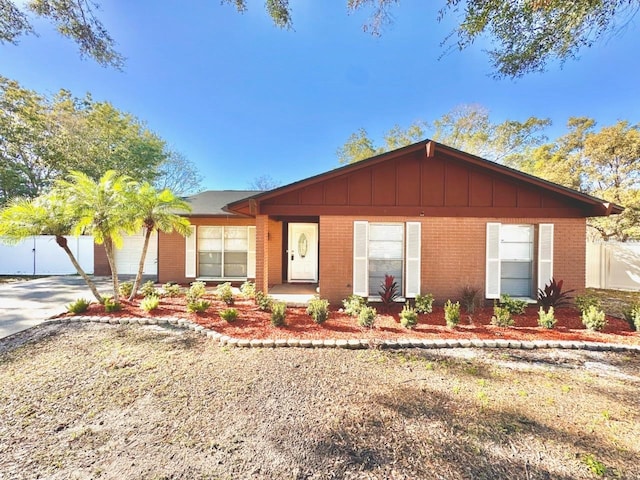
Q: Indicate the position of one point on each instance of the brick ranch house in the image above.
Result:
(436, 218)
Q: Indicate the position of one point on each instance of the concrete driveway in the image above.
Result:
(27, 303)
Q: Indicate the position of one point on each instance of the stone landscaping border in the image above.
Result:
(351, 344)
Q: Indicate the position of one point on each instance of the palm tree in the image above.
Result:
(104, 209)
(48, 214)
(157, 211)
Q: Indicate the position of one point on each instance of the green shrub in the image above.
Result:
(110, 305)
(125, 289)
(198, 305)
(546, 319)
(150, 303)
(367, 316)
(79, 306)
(514, 306)
(594, 318)
(583, 302)
(148, 288)
(632, 316)
(452, 313)
(225, 293)
(353, 304)
(424, 303)
(278, 313)
(470, 298)
(230, 315)
(264, 302)
(248, 289)
(408, 316)
(318, 309)
(501, 316)
(196, 291)
(171, 289)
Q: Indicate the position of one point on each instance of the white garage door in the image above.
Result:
(128, 257)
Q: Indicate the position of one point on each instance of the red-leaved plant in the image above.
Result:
(553, 296)
(388, 291)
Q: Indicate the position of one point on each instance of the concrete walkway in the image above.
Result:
(27, 303)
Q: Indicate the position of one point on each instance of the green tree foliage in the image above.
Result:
(105, 209)
(44, 138)
(75, 19)
(528, 34)
(156, 211)
(604, 163)
(466, 127)
(49, 214)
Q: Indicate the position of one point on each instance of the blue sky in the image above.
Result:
(242, 98)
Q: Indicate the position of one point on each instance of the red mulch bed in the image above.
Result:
(255, 324)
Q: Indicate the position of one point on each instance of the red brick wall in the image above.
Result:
(172, 249)
(453, 253)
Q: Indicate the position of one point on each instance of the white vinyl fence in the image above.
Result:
(613, 265)
(41, 255)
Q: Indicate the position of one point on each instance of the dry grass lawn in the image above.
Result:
(113, 402)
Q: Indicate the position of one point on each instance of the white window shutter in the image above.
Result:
(412, 260)
(251, 253)
(190, 254)
(361, 258)
(492, 279)
(545, 254)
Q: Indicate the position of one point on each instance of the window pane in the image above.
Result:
(515, 287)
(236, 239)
(235, 264)
(515, 251)
(516, 279)
(378, 269)
(516, 233)
(381, 249)
(383, 231)
(210, 264)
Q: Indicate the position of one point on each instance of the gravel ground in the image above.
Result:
(101, 401)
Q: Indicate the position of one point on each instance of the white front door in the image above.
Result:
(302, 253)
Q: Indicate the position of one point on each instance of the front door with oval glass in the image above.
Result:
(302, 252)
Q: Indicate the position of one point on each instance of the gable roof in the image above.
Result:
(424, 150)
(212, 202)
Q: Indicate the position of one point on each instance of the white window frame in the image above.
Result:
(411, 260)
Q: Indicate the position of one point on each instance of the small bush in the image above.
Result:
(408, 316)
(501, 316)
(514, 306)
(79, 306)
(470, 298)
(546, 319)
(367, 316)
(198, 305)
(353, 304)
(110, 305)
(388, 291)
(424, 303)
(583, 302)
(264, 302)
(125, 289)
(225, 293)
(248, 289)
(171, 289)
(553, 296)
(148, 288)
(230, 315)
(594, 318)
(150, 303)
(318, 309)
(632, 316)
(196, 291)
(452, 313)
(278, 314)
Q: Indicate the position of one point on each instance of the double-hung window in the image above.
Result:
(385, 248)
(511, 260)
(223, 252)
